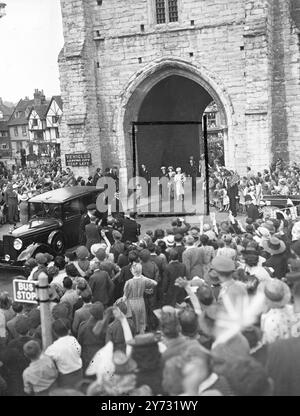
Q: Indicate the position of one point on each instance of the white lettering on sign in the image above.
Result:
(24, 291)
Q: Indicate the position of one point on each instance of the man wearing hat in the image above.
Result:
(279, 257)
(225, 267)
(41, 260)
(85, 220)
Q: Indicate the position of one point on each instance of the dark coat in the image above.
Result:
(131, 230)
(120, 281)
(92, 234)
(89, 342)
(172, 293)
(102, 287)
(252, 212)
(279, 263)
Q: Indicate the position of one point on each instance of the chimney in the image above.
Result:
(1, 101)
(39, 97)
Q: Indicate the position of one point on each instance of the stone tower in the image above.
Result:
(153, 60)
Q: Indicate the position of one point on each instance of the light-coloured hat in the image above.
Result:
(24, 197)
(263, 232)
(170, 240)
(95, 248)
(274, 246)
(277, 293)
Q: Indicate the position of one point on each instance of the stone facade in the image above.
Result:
(244, 53)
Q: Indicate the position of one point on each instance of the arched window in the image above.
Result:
(166, 11)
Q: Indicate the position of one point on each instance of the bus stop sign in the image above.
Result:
(24, 291)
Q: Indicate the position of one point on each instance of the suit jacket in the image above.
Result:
(172, 293)
(102, 287)
(193, 259)
(81, 315)
(192, 170)
(131, 230)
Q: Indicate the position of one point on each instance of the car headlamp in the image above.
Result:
(18, 244)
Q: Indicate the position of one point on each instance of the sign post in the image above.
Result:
(36, 293)
(43, 296)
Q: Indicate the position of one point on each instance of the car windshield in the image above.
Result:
(44, 210)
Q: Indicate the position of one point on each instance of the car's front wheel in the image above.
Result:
(58, 243)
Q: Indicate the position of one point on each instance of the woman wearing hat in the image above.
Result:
(179, 180)
(278, 259)
(276, 323)
(171, 184)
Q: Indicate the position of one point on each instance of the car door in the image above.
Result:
(72, 215)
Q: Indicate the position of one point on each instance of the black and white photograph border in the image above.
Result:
(149, 201)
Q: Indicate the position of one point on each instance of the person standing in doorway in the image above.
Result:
(179, 180)
(144, 173)
(202, 166)
(192, 172)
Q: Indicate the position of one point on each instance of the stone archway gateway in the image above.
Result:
(188, 89)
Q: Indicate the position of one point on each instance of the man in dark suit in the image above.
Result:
(101, 285)
(192, 172)
(131, 229)
(171, 293)
(85, 220)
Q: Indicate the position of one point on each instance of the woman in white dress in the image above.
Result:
(170, 176)
(179, 180)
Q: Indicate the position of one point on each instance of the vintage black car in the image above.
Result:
(53, 225)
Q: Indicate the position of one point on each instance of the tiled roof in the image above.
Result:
(42, 110)
(59, 101)
(21, 106)
(7, 111)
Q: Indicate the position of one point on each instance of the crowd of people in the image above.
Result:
(19, 184)
(230, 191)
(212, 310)
(200, 310)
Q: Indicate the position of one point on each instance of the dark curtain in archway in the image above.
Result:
(173, 99)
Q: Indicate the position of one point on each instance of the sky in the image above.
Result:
(30, 40)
